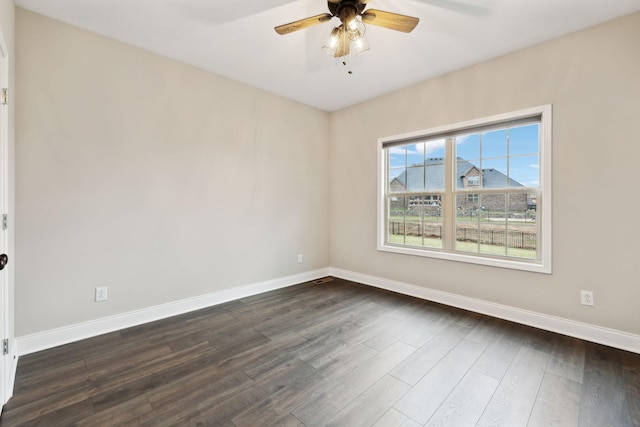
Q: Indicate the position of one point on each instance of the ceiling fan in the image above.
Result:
(349, 34)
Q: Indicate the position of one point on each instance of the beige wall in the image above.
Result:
(158, 180)
(7, 24)
(592, 78)
(164, 182)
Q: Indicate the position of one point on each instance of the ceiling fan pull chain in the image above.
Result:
(349, 70)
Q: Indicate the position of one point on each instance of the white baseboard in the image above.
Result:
(585, 331)
(55, 337)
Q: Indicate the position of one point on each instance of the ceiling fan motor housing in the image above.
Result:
(346, 10)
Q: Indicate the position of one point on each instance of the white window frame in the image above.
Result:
(542, 265)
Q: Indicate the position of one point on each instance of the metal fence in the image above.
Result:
(492, 236)
(486, 235)
(415, 229)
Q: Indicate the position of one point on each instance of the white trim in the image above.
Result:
(55, 337)
(13, 353)
(7, 375)
(546, 230)
(489, 121)
(585, 331)
(471, 259)
(49, 339)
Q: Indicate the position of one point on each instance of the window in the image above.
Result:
(477, 191)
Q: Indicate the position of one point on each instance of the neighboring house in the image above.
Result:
(469, 176)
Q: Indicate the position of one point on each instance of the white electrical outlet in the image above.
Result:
(300, 259)
(586, 297)
(101, 294)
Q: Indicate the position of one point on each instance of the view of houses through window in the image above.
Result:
(474, 192)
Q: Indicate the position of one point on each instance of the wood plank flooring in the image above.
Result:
(332, 354)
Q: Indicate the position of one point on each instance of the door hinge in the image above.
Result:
(5, 221)
(4, 98)
(5, 347)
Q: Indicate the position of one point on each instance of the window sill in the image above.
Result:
(532, 266)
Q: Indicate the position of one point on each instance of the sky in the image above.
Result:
(515, 152)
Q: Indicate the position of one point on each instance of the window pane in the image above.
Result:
(525, 170)
(434, 162)
(415, 221)
(432, 229)
(435, 177)
(415, 154)
(397, 180)
(415, 179)
(397, 156)
(524, 140)
(426, 227)
(494, 174)
(434, 149)
(397, 208)
(409, 170)
(467, 174)
(467, 206)
(493, 236)
(406, 155)
(468, 146)
(481, 229)
(494, 144)
(522, 228)
(467, 217)
(487, 224)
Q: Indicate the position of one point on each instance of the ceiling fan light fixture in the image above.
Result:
(331, 45)
(352, 24)
(348, 38)
(359, 45)
(355, 29)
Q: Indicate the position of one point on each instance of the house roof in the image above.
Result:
(413, 177)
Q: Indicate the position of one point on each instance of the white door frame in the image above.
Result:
(5, 360)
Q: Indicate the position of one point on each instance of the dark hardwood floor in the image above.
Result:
(332, 354)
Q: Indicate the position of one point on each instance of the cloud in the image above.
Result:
(418, 148)
(435, 145)
(400, 150)
(462, 139)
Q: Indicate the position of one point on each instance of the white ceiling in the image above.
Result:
(235, 38)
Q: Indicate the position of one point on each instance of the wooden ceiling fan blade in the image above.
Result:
(393, 21)
(303, 23)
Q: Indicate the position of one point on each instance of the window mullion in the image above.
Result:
(449, 196)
